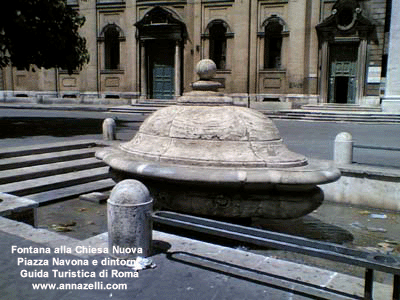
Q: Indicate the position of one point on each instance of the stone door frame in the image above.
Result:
(161, 23)
(360, 73)
(340, 28)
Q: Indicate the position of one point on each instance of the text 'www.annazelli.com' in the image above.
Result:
(98, 285)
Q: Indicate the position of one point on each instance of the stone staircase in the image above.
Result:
(53, 172)
(309, 112)
(341, 107)
(157, 102)
(336, 113)
(143, 106)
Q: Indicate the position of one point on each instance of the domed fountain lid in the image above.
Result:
(205, 136)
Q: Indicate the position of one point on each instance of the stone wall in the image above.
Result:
(366, 186)
(244, 71)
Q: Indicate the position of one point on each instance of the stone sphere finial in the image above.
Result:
(206, 69)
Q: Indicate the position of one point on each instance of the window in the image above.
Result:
(112, 48)
(218, 45)
(273, 45)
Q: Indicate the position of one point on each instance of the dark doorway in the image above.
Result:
(341, 89)
(343, 73)
(161, 71)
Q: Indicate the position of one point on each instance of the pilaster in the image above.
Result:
(391, 100)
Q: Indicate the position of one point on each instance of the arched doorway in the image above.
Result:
(161, 36)
(343, 42)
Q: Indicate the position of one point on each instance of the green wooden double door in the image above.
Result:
(161, 70)
(343, 73)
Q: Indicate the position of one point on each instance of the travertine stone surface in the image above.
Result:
(206, 69)
(109, 129)
(207, 156)
(343, 150)
(129, 211)
(211, 136)
(206, 130)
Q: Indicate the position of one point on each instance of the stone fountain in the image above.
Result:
(205, 156)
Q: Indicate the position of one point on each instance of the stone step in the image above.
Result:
(340, 113)
(364, 117)
(355, 120)
(31, 172)
(42, 184)
(335, 117)
(341, 107)
(132, 110)
(45, 158)
(143, 106)
(53, 172)
(164, 102)
(70, 192)
(152, 104)
(38, 149)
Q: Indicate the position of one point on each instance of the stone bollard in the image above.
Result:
(109, 129)
(343, 151)
(129, 211)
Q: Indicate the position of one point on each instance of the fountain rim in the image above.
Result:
(314, 173)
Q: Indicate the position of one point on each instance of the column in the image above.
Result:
(261, 63)
(391, 100)
(361, 69)
(177, 67)
(323, 87)
(312, 69)
(143, 81)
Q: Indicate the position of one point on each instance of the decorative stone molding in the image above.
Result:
(274, 18)
(229, 33)
(121, 36)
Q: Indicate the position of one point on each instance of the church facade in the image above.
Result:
(296, 51)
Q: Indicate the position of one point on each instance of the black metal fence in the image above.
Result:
(381, 156)
(264, 238)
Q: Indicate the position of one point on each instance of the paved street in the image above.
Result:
(313, 139)
(316, 140)
(30, 126)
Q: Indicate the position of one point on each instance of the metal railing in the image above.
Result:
(344, 148)
(376, 147)
(264, 238)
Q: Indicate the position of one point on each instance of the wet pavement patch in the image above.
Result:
(332, 222)
(76, 218)
(335, 223)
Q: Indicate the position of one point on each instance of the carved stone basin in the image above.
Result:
(205, 156)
